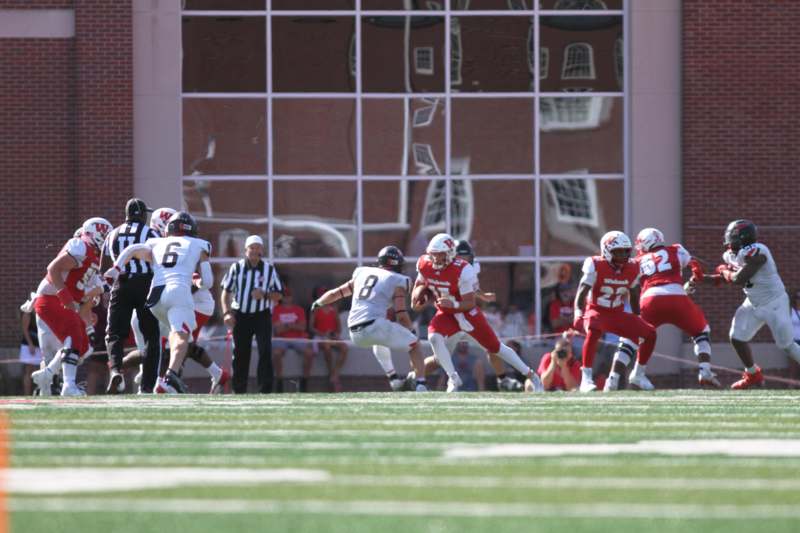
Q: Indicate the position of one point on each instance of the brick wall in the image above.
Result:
(740, 134)
(67, 140)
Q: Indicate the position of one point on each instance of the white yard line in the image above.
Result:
(727, 447)
(678, 512)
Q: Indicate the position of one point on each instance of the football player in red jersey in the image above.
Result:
(58, 300)
(664, 301)
(452, 281)
(608, 281)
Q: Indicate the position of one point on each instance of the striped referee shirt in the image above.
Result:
(242, 278)
(123, 236)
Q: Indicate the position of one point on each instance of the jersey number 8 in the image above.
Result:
(366, 290)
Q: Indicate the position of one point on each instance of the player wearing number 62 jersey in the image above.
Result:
(174, 259)
(376, 290)
(664, 301)
(608, 281)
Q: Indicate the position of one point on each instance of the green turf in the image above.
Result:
(387, 469)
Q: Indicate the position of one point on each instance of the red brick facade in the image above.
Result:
(740, 134)
(67, 114)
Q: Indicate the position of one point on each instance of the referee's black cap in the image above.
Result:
(136, 210)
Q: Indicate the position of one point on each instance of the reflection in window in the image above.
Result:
(544, 62)
(423, 60)
(579, 4)
(578, 62)
(434, 216)
(575, 200)
(456, 52)
(580, 113)
(619, 61)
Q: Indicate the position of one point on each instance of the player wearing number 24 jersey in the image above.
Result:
(609, 280)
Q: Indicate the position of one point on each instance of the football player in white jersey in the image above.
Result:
(749, 263)
(375, 291)
(174, 258)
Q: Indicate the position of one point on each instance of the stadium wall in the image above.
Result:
(67, 132)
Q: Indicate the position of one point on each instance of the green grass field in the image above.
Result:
(669, 461)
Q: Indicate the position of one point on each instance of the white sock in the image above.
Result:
(587, 374)
(751, 369)
(613, 375)
(70, 369)
(705, 368)
(214, 370)
(639, 370)
(384, 357)
(442, 354)
(510, 356)
(55, 363)
(793, 351)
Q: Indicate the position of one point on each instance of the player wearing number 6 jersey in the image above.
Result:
(609, 280)
(664, 301)
(375, 290)
(174, 258)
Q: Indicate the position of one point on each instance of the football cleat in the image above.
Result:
(640, 381)
(218, 386)
(612, 383)
(536, 382)
(587, 385)
(708, 379)
(162, 387)
(749, 380)
(453, 383)
(508, 384)
(398, 384)
(43, 379)
(71, 389)
(116, 383)
(420, 387)
(137, 379)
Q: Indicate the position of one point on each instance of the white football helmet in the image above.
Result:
(95, 230)
(649, 238)
(441, 250)
(78, 233)
(614, 240)
(159, 218)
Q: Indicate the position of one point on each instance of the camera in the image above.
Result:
(561, 354)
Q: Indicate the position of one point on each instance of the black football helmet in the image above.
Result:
(740, 233)
(391, 258)
(464, 249)
(181, 223)
(136, 210)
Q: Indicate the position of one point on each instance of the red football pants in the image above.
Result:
(446, 325)
(676, 309)
(62, 322)
(623, 324)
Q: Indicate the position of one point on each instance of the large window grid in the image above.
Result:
(446, 187)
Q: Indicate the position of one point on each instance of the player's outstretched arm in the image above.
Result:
(580, 303)
(135, 251)
(206, 274)
(334, 295)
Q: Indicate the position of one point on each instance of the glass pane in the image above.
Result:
(225, 5)
(583, 53)
(404, 140)
(566, 5)
(224, 136)
(558, 283)
(314, 136)
(313, 54)
(582, 135)
(577, 212)
(492, 136)
(224, 54)
(322, 5)
(402, 5)
(491, 5)
(402, 54)
(492, 54)
(393, 214)
(497, 231)
(315, 219)
(227, 212)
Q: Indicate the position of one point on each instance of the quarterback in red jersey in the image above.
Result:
(58, 299)
(664, 301)
(608, 281)
(452, 281)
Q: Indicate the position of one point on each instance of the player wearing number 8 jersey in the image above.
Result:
(375, 290)
(174, 258)
(608, 281)
(664, 301)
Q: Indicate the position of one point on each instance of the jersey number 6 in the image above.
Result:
(170, 258)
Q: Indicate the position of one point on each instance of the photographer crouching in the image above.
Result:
(558, 369)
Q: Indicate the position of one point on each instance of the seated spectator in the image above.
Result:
(515, 325)
(325, 327)
(289, 333)
(561, 308)
(559, 369)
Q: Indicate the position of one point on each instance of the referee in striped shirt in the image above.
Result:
(128, 293)
(249, 290)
